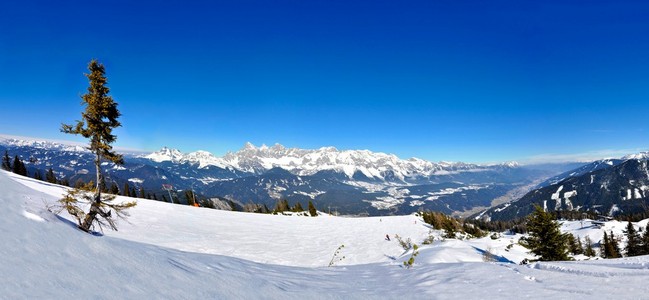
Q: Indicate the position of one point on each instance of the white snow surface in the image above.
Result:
(180, 252)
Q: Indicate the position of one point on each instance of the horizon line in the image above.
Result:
(537, 159)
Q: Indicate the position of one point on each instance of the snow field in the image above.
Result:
(155, 256)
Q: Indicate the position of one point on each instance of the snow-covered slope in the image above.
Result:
(45, 256)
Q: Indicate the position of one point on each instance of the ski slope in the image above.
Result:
(172, 251)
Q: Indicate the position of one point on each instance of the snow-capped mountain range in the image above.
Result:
(303, 162)
(354, 181)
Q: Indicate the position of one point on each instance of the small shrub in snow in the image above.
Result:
(336, 258)
(411, 261)
(429, 240)
(406, 245)
(488, 256)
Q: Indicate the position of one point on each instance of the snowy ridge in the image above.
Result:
(639, 156)
(303, 162)
(43, 144)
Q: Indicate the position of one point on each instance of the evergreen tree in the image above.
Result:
(605, 247)
(233, 205)
(544, 237)
(634, 241)
(610, 249)
(189, 195)
(645, 241)
(155, 197)
(142, 194)
(37, 175)
(6, 162)
(19, 167)
(614, 245)
(50, 177)
(114, 189)
(127, 190)
(164, 198)
(449, 226)
(589, 247)
(98, 121)
(297, 207)
(281, 205)
(65, 181)
(580, 247)
(574, 244)
(312, 211)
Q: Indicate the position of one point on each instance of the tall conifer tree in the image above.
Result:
(634, 241)
(99, 118)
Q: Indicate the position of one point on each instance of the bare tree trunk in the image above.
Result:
(95, 206)
(90, 217)
(99, 176)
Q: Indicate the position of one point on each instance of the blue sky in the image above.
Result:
(476, 81)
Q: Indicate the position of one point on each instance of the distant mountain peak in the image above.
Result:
(640, 156)
(165, 154)
(248, 146)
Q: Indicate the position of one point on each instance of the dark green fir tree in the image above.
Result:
(127, 190)
(19, 167)
(312, 211)
(645, 241)
(189, 196)
(50, 177)
(615, 245)
(6, 162)
(298, 207)
(589, 251)
(544, 236)
(114, 189)
(634, 241)
(37, 175)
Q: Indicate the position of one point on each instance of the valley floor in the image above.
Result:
(173, 251)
